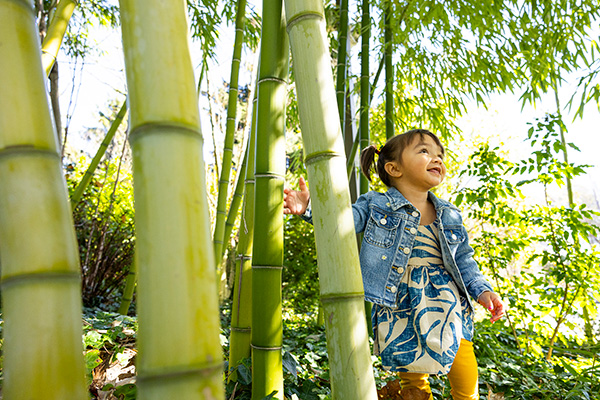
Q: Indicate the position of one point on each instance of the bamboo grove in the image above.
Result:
(179, 256)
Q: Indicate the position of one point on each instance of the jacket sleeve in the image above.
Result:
(360, 211)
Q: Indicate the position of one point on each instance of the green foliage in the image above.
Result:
(541, 258)
(575, 374)
(105, 230)
(305, 362)
(300, 273)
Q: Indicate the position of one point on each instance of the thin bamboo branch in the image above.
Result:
(89, 173)
(224, 178)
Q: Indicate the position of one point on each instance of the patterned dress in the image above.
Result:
(423, 333)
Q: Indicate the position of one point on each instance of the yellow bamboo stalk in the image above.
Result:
(337, 255)
(40, 282)
(56, 32)
(178, 340)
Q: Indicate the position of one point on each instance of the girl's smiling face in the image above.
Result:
(422, 165)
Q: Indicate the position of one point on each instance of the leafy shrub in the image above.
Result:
(105, 230)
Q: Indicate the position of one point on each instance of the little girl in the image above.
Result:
(417, 267)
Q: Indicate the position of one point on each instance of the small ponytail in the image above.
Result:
(367, 158)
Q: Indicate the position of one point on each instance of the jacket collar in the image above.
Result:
(397, 200)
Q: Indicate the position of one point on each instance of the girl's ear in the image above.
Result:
(393, 169)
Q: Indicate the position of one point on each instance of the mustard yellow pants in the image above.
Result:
(463, 375)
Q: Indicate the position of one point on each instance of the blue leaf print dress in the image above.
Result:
(423, 333)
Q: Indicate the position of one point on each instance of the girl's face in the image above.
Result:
(422, 165)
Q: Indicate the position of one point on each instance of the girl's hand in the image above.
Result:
(492, 302)
(295, 202)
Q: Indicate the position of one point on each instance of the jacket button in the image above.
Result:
(393, 289)
(413, 230)
(383, 221)
(406, 250)
(400, 270)
(415, 214)
(454, 237)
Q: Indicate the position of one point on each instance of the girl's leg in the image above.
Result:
(463, 375)
(415, 386)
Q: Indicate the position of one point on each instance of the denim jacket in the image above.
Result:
(390, 223)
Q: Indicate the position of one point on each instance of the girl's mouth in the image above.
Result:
(436, 169)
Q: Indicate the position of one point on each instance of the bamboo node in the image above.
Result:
(315, 157)
(267, 267)
(301, 17)
(181, 372)
(26, 150)
(278, 348)
(271, 79)
(34, 277)
(273, 176)
(242, 330)
(163, 128)
(341, 296)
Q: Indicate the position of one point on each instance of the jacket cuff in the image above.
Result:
(478, 287)
(307, 216)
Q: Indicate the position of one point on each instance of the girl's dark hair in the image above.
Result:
(391, 151)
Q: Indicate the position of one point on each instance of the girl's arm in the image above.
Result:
(475, 281)
(297, 201)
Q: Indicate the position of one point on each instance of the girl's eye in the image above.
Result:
(424, 151)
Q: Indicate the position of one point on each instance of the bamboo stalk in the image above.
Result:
(241, 308)
(389, 70)
(364, 85)
(219, 230)
(89, 173)
(178, 339)
(337, 255)
(130, 282)
(236, 201)
(269, 175)
(40, 279)
(56, 32)
(340, 87)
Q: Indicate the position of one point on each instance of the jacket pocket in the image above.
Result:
(454, 234)
(381, 228)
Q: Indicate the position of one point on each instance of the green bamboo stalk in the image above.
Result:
(241, 308)
(40, 278)
(269, 175)
(236, 201)
(130, 282)
(89, 173)
(389, 70)
(340, 87)
(178, 339)
(56, 32)
(337, 255)
(364, 85)
(219, 230)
